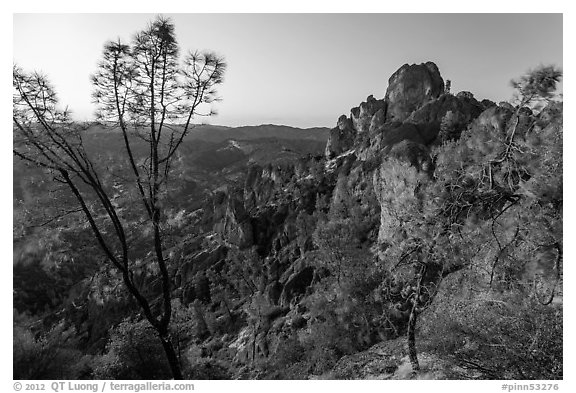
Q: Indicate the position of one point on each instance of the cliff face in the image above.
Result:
(414, 115)
(276, 211)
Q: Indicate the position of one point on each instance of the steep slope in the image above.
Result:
(311, 221)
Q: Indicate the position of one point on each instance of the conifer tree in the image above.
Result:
(145, 91)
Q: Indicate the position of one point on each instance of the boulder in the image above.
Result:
(410, 88)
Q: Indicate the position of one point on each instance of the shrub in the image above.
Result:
(503, 337)
(53, 355)
(133, 352)
(207, 369)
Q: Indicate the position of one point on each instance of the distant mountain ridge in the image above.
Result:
(212, 133)
(218, 133)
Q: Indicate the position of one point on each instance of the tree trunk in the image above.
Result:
(412, 354)
(411, 335)
(172, 357)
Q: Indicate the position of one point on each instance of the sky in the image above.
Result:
(303, 70)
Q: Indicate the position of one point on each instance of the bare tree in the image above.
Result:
(143, 90)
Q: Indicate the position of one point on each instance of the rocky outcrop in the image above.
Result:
(377, 161)
(260, 184)
(410, 88)
(296, 285)
(461, 110)
(393, 190)
(198, 262)
(233, 223)
(495, 117)
(341, 137)
(370, 115)
(413, 109)
(377, 121)
(390, 135)
(417, 154)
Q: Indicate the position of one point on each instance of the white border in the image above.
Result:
(296, 6)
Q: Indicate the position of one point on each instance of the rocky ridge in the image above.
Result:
(415, 115)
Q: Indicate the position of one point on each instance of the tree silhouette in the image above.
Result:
(143, 90)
